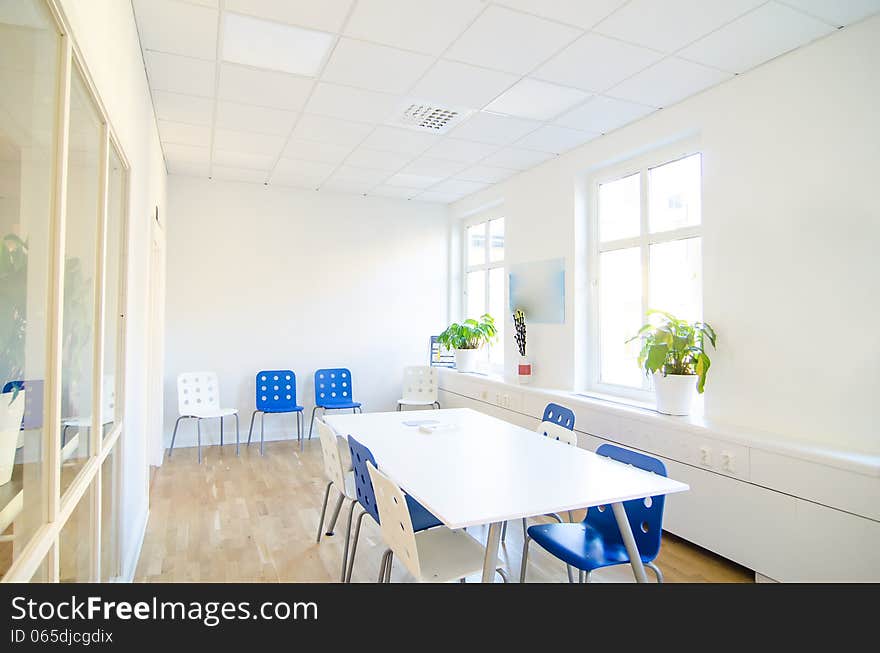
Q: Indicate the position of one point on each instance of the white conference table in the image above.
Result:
(484, 470)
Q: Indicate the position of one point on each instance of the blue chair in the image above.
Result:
(333, 391)
(360, 455)
(276, 393)
(556, 414)
(596, 542)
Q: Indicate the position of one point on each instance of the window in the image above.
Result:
(63, 222)
(484, 278)
(646, 255)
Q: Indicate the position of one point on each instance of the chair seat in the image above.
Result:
(291, 409)
(580, 545)
(416, 402)
(341, 404)
(84, 422)
(446, 555)
(421, 518)
(212, 412)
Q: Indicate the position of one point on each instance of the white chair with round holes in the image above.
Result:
(419, 387)
(340, 478)
(437, 555)
(108, 413)
(198, 398)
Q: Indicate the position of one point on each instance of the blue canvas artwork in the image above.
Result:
(538, 289)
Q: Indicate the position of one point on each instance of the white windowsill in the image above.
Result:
(862, 462)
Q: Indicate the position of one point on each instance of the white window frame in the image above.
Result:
(642, 165)
(486, 266)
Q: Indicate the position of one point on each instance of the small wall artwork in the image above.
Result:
(538, 289)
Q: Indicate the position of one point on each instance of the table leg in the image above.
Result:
(630, 542)
(490, 562)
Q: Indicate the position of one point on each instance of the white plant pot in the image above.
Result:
(10, 429)
(466, 360)
(675, 393)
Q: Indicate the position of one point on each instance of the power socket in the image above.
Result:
(705, 456)
(727, 462)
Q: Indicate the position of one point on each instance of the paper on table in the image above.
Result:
(431, 428)
(419, 422)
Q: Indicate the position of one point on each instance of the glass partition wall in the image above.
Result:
(63, 217)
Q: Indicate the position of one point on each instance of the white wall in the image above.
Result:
(106, 34)
(791, 223)
(268, 277)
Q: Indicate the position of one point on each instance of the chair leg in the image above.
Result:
(174, 435)
(398, 406)
(525, 559)
(354, 546)
(436, 403)
(199, 432)
(656, 571)
(323, 511)
(581, 576)
(237, 436)
(64, 436)
(383, 565)
(388, 566)
(504, 532)
(262, 431)
(335, 516)
(503, 573)
(221, 430)
(251, 428)
(312, 423)
(525, 525)
(299, 432)
(347, 542)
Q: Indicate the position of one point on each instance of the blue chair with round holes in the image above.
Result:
(276, 394)
(333, 391)
(556, 414)
(596, 542)
(366, 498)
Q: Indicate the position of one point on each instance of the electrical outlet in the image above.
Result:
(484, 395)
(727, 461)
(705, 456)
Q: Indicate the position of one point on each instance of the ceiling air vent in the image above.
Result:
(428, 117)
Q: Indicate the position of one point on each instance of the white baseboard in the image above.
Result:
(129, 564)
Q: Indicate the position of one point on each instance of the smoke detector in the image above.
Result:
(427, 116)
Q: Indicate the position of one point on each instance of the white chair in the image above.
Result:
(198, 398)
(108, 412)
(342, 480)
(437, 555)
(419, 387)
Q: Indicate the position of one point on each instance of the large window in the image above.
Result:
(484, 278)
(646, 255)
(63, 214)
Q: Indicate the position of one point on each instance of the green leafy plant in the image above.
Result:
(673, 346)
(470, 334)
(13, 307)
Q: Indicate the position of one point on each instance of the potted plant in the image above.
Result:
(465, 340)
(524, 368)
(674, 353)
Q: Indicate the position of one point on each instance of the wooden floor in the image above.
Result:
(255, 518)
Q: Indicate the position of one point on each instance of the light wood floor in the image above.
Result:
(255, 518)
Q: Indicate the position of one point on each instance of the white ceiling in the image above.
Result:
(306, 93)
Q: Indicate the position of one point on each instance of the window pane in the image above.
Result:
(619, 208)
(75, 542)
(77, 352)
(676, 281)
(496, 240)
(476, 294)
(29, 44)
(497, 310)
(476, 244)
(620, 316)
(112, 279)
(674, 194)
(109, 516)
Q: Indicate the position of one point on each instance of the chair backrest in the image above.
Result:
(333, 386)
(276, 391)
(645, 516)
(33, 402)
(420, 383)
(559, 415)
(196, 392)
(396, 524)
(330, 450)
(557, 432)
(360, 456)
